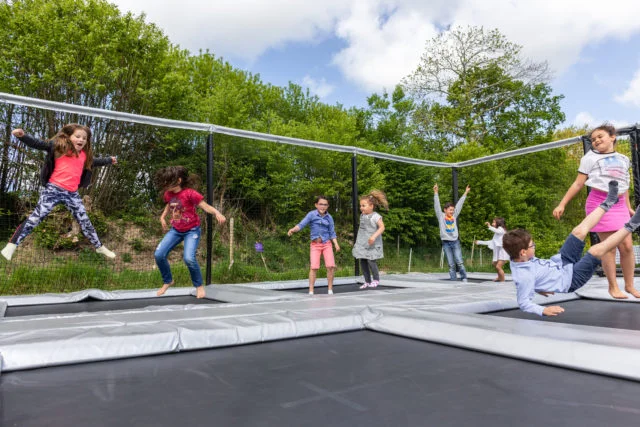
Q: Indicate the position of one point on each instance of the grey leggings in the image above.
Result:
(369, 267)
(51, 196)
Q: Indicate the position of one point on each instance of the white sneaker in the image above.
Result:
(464, 280)
(330, 291)
(310, 293)
(106, 252)
(8, 251)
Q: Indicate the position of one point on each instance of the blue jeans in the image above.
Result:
(171, 240)
(583, 266)
(454, 257)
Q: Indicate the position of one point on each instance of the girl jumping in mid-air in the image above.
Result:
(599, 166)
(67, 167)
(322, 234)
(500, 256)
(368, 246)
(181, 200)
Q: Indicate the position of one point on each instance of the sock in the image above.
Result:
(634, 222)
(612, 196)
(8, 251)
(106, 252)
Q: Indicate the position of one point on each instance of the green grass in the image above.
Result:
(286, 259)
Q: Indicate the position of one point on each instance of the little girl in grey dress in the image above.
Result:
(368, 246)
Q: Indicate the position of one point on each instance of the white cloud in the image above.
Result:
(385, 38)
(318, 87)
(242, 28)
(585, 118)
(631, 96)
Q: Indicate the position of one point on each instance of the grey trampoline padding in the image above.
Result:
(349, 379)
(607, 314)
(607, 351)
(97, 294)
(427, 309)
(340, 289)
(91, 305)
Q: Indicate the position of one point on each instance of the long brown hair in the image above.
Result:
(64, 147)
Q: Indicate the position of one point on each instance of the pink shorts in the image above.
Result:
(615, 218)
(326, 249)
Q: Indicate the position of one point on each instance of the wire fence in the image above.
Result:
(263, 189)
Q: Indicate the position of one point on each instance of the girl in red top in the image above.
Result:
(67, 167)
(181, 201)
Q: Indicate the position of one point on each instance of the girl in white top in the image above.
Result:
(500, 256)
(599, 166)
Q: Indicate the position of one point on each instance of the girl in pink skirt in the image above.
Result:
(599, 166)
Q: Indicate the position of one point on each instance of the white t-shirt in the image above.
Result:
(602, 168)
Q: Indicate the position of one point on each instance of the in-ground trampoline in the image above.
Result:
(423, 352)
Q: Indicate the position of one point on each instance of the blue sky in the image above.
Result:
(345, 50)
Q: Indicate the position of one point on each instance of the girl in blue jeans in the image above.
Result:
(182, 201)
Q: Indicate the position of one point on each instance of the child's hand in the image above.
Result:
(18, 133)
(164, 224)
(545, 294)
(475, 242)
(291, 231)
(114, 161)
(466, 191)
(371, 241)
(487, 224)
(554, 310)
(558, 211)
(435, 189)
(337, 247)
(220, 218)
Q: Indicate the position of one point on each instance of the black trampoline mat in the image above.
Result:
(339, 289)
(359, 378)
(94, 305)
(607, 314)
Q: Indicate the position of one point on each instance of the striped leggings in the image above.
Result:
(50, 197)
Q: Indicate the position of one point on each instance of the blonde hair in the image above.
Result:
(377, 198)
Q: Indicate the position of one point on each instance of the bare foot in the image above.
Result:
(617, 294)
(200, 292)
(632, 291)
(163, 289)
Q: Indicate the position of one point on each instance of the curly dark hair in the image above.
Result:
(175, 175)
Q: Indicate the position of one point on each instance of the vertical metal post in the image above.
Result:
(209, 201)
(354, 204)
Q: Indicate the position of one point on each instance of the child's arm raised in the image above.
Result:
(213, 211)
(105, 161)
(571, 193)
(30, 141)
(436, 202)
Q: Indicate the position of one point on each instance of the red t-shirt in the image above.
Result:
(182, 208)
(68, 171)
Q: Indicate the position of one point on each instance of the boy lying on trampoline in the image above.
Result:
(568, 270)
